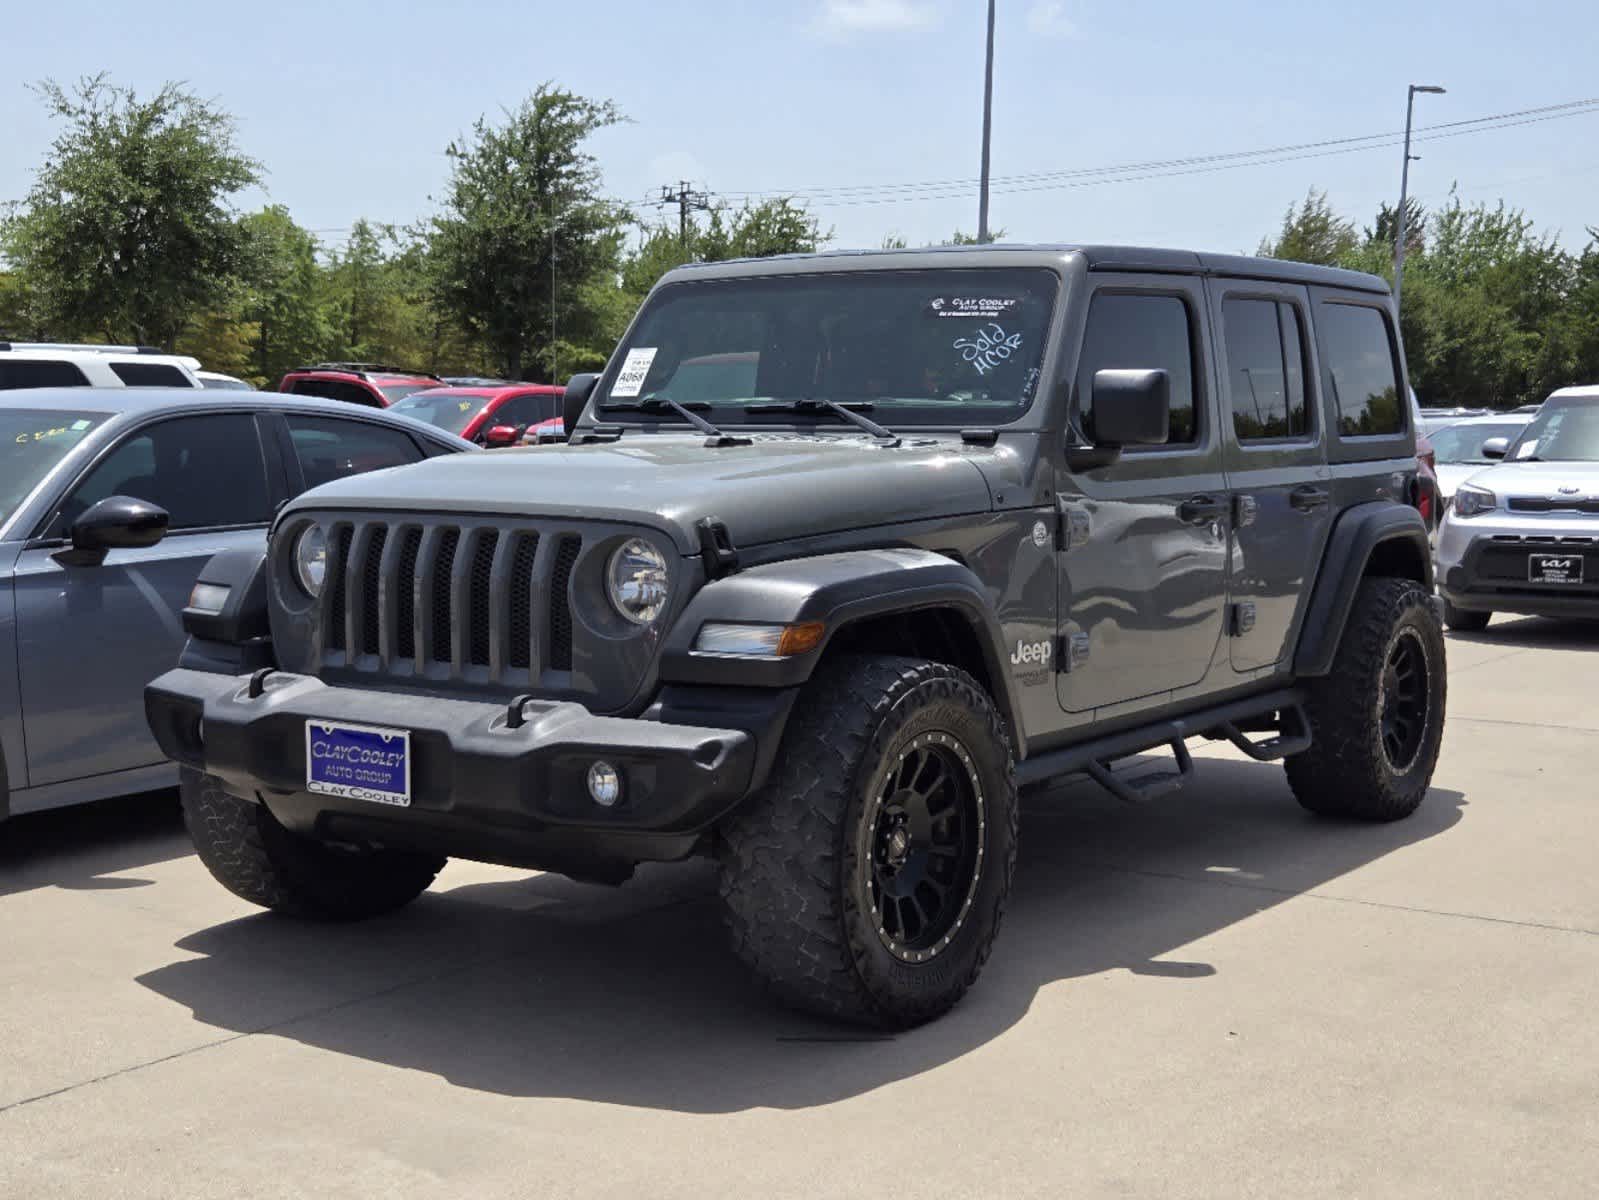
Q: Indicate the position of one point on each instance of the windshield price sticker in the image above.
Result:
(987, 307)
(630, 379)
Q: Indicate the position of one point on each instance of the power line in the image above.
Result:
(687, 199)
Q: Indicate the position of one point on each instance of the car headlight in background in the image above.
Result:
(311, 560)
(636, 581)
(1469, 501)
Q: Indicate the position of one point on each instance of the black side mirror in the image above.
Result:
(1131, 408)
(115, 523)
(578, 390)
(1496, 447)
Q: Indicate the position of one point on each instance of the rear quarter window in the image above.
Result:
(39, 372)
(146, 374)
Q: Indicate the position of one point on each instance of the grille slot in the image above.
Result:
(478, 598)
(405, 586)
(341, 555)
(443, 566)
(371, 579)
(561, 604)
(521, 655)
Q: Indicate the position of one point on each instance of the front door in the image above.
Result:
(90, 637)
(1276, 460)
(1142, 581)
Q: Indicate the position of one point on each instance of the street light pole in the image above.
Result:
(988, 114)
(1404, 189)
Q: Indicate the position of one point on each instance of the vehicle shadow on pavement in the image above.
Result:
(1534, 633)
(545, 987)
(89, 847)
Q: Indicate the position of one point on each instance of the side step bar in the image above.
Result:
(1229, 721)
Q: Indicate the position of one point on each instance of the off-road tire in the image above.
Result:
(258, 860)
(1346, 772)
(795, 859)
(1465, 620)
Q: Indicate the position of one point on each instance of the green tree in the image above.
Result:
(128, 232)
(284, 306)
(525, 230)
(1312, 233)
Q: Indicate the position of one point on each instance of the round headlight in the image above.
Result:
(636, 580)
(311, 560)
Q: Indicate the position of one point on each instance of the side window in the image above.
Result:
(146, 374)
(519, 410)
(1141, 332)
(1265, 369)
(329, 448)
(39, 372)
(1360, 370)
(204, 471)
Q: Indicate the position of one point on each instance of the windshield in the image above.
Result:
(395, 391)
(32, 441)
(450, 411)
(1463, 443)
(1563, 431)
(927, 347)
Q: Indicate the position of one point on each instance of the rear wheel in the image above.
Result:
(258, 860)
(1465, 620)
(1377, 720)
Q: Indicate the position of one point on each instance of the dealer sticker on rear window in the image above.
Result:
(630, 379)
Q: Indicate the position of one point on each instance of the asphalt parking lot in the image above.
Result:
(1213, 995)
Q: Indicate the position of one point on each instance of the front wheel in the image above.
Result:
(1377, 719)
(867, 880)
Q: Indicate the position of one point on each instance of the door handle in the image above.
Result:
(1307, 498)
(1201, 510)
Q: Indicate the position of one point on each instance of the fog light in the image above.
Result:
(208, 597)
(605, 784)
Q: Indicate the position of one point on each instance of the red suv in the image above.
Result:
(489, 415)
(360, 383)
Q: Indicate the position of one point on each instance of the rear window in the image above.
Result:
(147, 374)
(39, 372)
(1360, 370)
(333, 389)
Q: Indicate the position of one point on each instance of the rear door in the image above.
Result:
(1276, 461)
(1142, 588)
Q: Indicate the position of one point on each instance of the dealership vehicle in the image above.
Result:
(497, 415)
(221, 382)
(110, 503)
(69, 364)
(1523, 536)
(1457, 449)
(369, 384)
(932, 527)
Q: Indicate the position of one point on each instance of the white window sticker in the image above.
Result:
(630, 380)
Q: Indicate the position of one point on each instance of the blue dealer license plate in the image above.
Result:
(358, 762)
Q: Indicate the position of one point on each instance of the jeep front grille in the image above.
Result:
(430, 599)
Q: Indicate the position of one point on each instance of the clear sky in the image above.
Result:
(350, 103)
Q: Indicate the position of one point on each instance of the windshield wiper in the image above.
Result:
(655, 403)
(811, 404)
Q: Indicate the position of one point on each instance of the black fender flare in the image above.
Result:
(837, 590)
(1361, 533)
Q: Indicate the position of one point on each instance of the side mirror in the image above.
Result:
(578, 390)
(501, 435)
(115, 523)
(1131, 408)
(1496, 447)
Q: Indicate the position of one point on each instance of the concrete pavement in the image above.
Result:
(1213, 995)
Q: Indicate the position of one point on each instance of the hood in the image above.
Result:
(1572, 481)
(780, 487)
(1452, 475)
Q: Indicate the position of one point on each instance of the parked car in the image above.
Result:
(221, 382)
(357, 383)
(1523, 536)
(1458, 448)
(66, 364)
(476, 381)
(110, 503)
(496, 415)
(965, 521)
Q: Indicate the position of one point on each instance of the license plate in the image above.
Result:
(1554, 568)
(358, 762)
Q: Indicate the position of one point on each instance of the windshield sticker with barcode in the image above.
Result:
(988, 347)
(630, 379)
(981, 307)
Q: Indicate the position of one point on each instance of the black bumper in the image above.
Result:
(1491, 578)
(479, 788)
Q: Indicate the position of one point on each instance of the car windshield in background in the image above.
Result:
(450, 411)
(928, 347)
(32, 441)
(398, 391)
(1563, 431)
(1463, 443)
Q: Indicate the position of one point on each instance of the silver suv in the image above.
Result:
(1523, 536)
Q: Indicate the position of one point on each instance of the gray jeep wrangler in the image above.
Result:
(844, 550)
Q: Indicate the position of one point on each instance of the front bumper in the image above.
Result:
(1482, 563)
(479, 788)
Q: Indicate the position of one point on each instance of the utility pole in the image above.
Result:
(1404, 189)
(555, 376)
(687, 199)
(988, 116)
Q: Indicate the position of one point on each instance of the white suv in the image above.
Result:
(53, 364)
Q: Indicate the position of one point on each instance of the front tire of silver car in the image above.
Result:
(258, 860)
(1463, 620)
